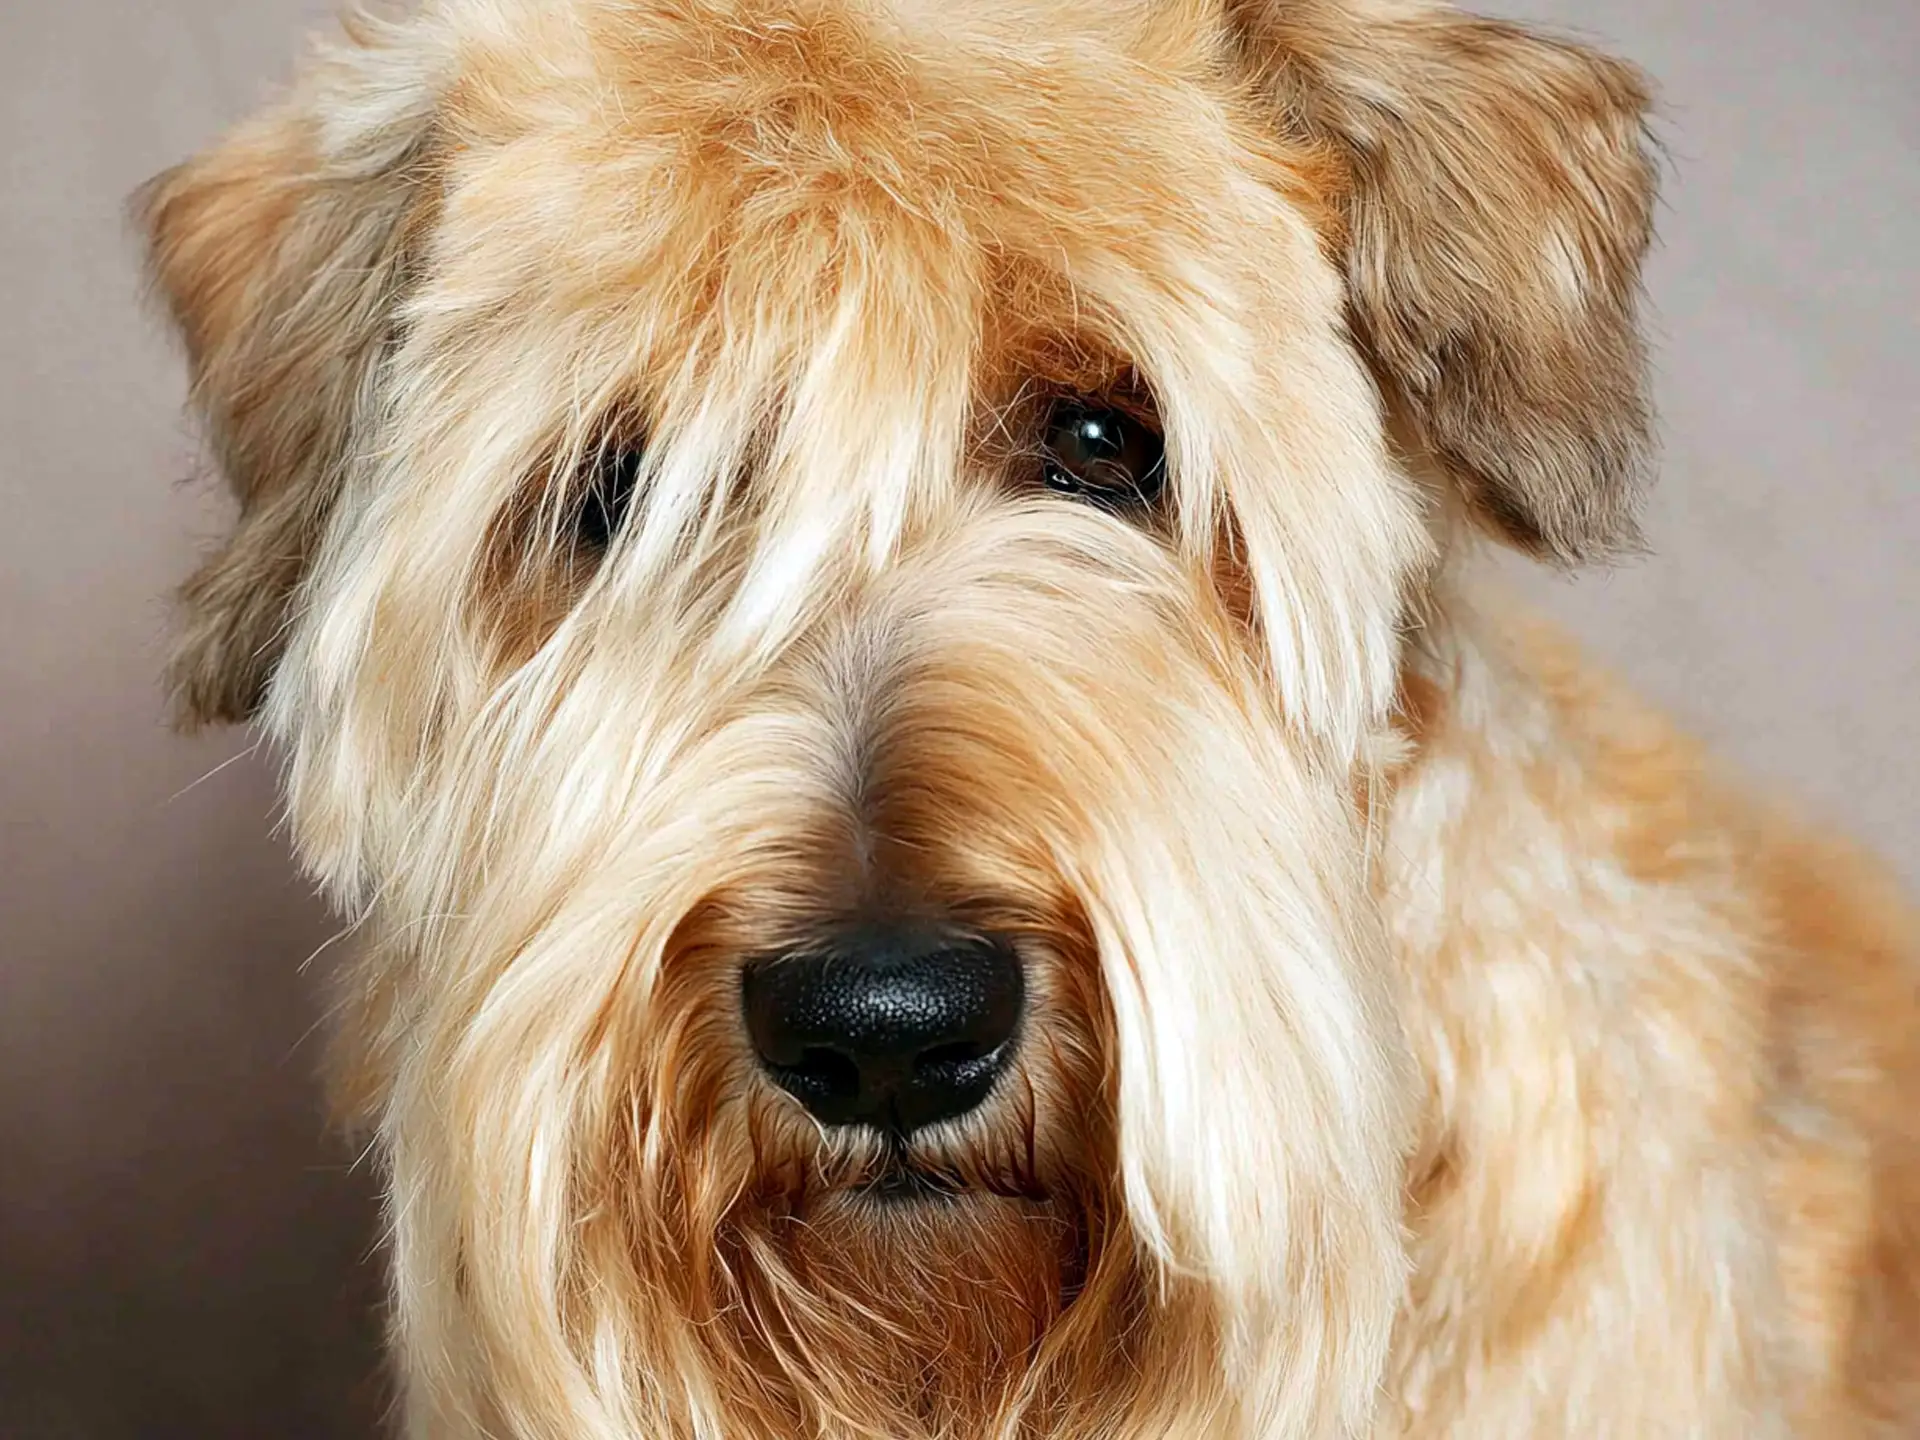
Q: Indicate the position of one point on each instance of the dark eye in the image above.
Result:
(1104, 455)
(607, 495)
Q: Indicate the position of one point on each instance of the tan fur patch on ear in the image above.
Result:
(1500, 205)
(281, 267)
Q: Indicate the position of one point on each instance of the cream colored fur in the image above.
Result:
(1420, 1044)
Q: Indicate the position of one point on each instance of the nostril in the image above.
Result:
(951, 1079)
(825, 1081)
(947, 1057)
(824, 1073)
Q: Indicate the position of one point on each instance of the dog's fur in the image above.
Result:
(1419, 1042)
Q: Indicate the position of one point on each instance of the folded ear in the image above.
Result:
(281, 254)
(1501, 189)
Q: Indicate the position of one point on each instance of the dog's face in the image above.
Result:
(828, 574)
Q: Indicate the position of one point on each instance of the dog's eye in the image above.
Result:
(606, 496)
(1104, 455)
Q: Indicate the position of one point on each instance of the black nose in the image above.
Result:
(891, 1027)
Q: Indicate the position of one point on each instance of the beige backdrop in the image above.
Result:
(180, 1255)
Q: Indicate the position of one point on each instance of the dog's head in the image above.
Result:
(828, 574)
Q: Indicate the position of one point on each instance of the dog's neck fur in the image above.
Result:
(1565, 896)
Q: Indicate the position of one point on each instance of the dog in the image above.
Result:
(867, 607)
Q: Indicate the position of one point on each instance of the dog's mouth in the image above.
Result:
(904, 1175)
(900, 1175)
(902, 1182)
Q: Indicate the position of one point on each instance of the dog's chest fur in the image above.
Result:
(1663, 1048)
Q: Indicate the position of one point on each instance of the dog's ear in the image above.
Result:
(1499, 190)
(281, 254)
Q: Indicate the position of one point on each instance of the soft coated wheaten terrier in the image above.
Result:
(861, 602)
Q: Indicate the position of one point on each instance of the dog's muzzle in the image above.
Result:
(894, 1027)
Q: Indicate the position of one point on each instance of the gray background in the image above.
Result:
(181, 1253)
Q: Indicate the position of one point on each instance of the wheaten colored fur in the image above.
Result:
(1419, 1043)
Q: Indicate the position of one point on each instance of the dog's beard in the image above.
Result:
(952, 1315)
(1176, 1214)
(913, 1286)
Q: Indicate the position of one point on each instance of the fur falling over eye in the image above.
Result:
(1103, 455)
(606, 492)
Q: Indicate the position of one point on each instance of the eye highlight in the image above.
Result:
(1108, 456)
(606, 495)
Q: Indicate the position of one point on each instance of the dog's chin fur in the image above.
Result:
(1281, 864)
(953, 1313)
